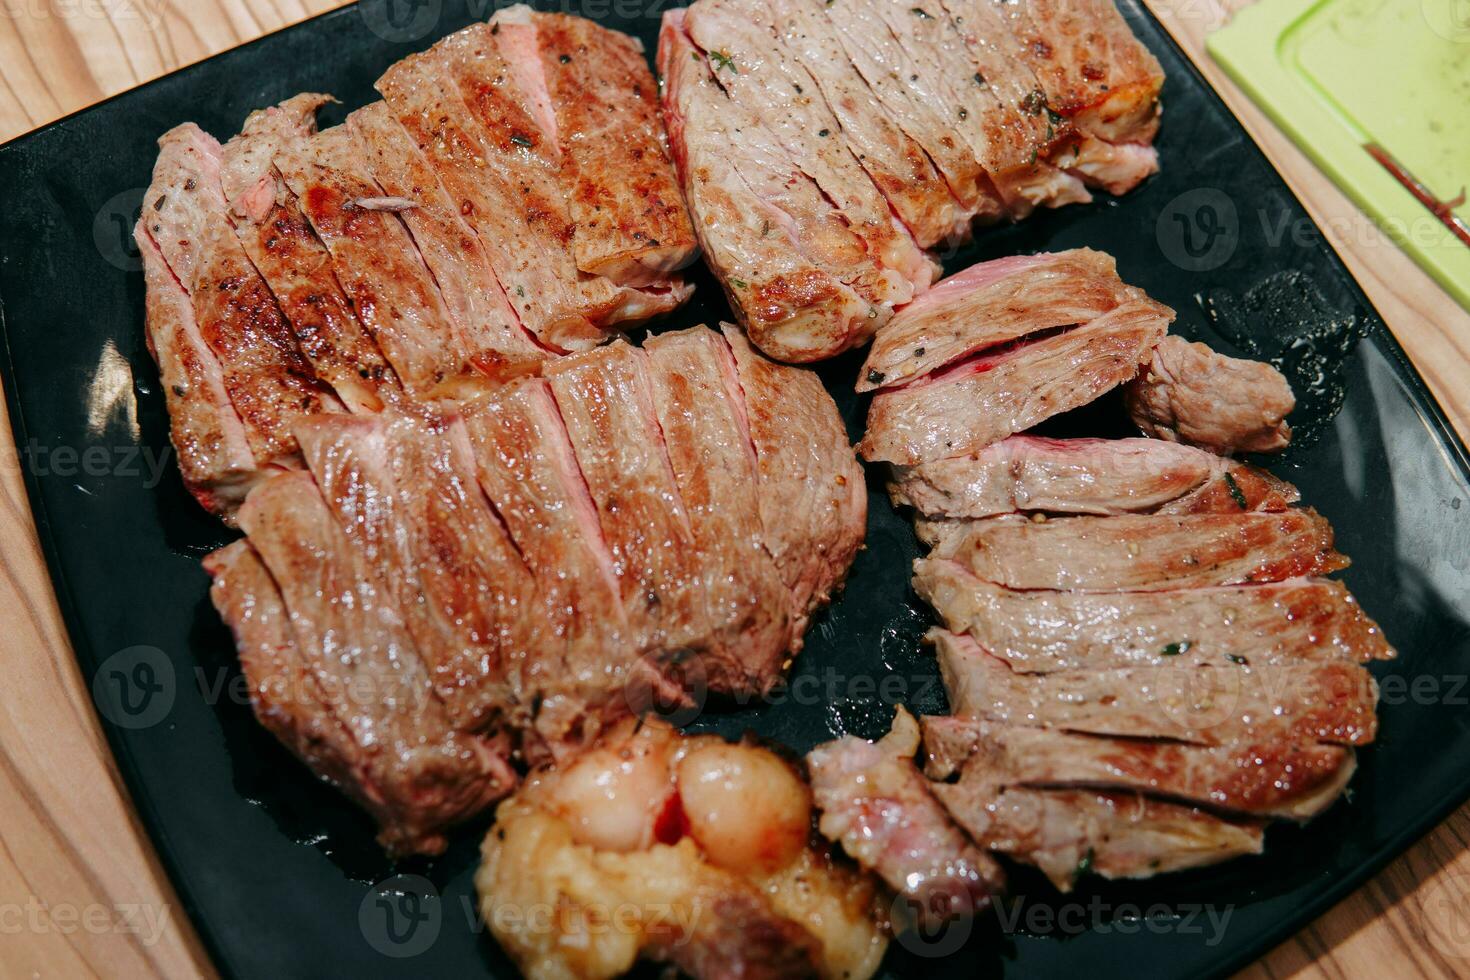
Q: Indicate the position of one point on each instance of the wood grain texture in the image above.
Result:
(68, 836)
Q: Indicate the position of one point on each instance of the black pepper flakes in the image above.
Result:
(876, 377)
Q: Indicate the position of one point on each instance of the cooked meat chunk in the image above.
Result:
(1262, 625)
(1192, 395)
(1146, 553)
(498, 344)
(593, 96)
(990, 304)
(1085, 476)
(1069, 833)
(294, 263)
(416, 773)
(702, 848)
(984, 399)
(813, 498)
(525, 569)
(1329, 702)
(208, 437)
(875, 803)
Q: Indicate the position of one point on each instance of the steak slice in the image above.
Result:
(1190, 394)
(404, 492)
(421, 774)
(1068, 833)
(207, 435)
(1295, 621)
(525, 234)
(295, 264)
(810, 488)
(586, 656)
(1086, 476)
(473, 297)
(374, 259)
(284, 690)
(894, 160)
(598, 103)
(268, 381)
(1147, 553)
(523, 165)
(1330, 702)
(990, 304)
(696, 392)
(986, 398)
(1266, 777)
(1096, 74)
(876, 804)
(781, 252)
(759, 76)
(606, 400)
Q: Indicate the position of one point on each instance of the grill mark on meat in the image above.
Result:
(1299, 620)
(1145, 552)
(1326, 702)
(501, 344)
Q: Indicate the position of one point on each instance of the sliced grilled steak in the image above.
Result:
(498, 344)
(419, 773)
(896, 162)
(991, 304)
(1086, 476)
(208, 437)
(984, 399)
(875, 803)
(1191, 394)
(405, 495)
(606, 400)
(1327, 702)
(696, 393)
(1258, 778)
(1094, 72)
(761, 78)
(813, 498)
(593, 95)
(1070, 833)
(293, 261)
(787, 260)
(267, 380)
(527, 468)
(374, 260)
(1147, 553)
(1263, 625)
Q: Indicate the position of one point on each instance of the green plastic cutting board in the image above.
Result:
(1338, 75)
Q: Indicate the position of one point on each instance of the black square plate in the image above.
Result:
(281, 875)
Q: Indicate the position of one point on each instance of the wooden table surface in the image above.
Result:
(81, 891)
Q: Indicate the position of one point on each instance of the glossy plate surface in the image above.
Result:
(281, 875)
